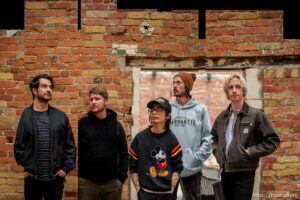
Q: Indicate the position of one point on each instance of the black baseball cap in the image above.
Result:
(161, 101)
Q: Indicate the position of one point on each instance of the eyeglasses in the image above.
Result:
(157, 110)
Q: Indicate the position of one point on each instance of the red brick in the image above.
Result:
(35, 36)
(6, 97)
(55, 13)
(60, 5)
(70, 43)
(35, 20)
(268, 187)
(69, 58)
(274, 88)
(15, 91)
(58, 36)
(64, 81)
(5, 40)
(38, 51)
(58, 50)
(8, 84)
(7, 54)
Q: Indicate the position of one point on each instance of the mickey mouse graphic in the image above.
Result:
(161, 163)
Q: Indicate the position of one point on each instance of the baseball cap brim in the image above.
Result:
(161, 101)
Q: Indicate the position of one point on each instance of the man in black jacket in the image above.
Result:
(44, 144)
(241, 136)
(102, 151)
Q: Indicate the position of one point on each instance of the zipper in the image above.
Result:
(224, 143)
(51, 139)
(35, 143)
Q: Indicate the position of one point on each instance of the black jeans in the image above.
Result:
(50, 190)
(191, 186)
(238, 185)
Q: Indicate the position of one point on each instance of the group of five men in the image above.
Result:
(170, 151)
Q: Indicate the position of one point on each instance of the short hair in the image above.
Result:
(35, 82)
(242, 81)
(100, 91)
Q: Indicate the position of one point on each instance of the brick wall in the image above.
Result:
(94, 55)
(281, 171)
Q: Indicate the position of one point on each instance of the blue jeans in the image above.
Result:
(50, 190)
(238, 185)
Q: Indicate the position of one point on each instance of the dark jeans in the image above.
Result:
(50, 190)
(93, 190)
(238, 185)
(191, 186)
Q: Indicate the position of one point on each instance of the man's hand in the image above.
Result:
(135, 180)
(26, 174)
(61, 173)
(175, 180)
(248, 152)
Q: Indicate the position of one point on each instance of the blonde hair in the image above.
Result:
(242, 81)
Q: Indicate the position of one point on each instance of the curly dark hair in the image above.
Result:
(35, 83)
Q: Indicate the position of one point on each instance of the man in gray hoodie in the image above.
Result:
(191, 125)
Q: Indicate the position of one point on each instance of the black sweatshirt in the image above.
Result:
(155, 157)
(102, 148)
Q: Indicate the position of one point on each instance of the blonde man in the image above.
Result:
(241, 135)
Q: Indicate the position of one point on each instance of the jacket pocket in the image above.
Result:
(59, 159)
(239, 157)
(28, 154)
(218, 155)
(246, 132)
(189, 160)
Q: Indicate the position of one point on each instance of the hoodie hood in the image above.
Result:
(191, 103)
(110, 114)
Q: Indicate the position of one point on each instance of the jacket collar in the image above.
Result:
(111, 114)
(244, 110)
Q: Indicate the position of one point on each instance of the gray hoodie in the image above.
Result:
(191, 125)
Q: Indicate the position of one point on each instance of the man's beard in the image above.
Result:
(44, 100)
(183, 94)
(99, 110)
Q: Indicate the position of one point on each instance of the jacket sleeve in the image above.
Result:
(204, 151)
(69, 149)
(81, 153)
(133, 156)
(123, 152)
(19, 145)
(267, 133)
(176, 156)
(214, 134)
